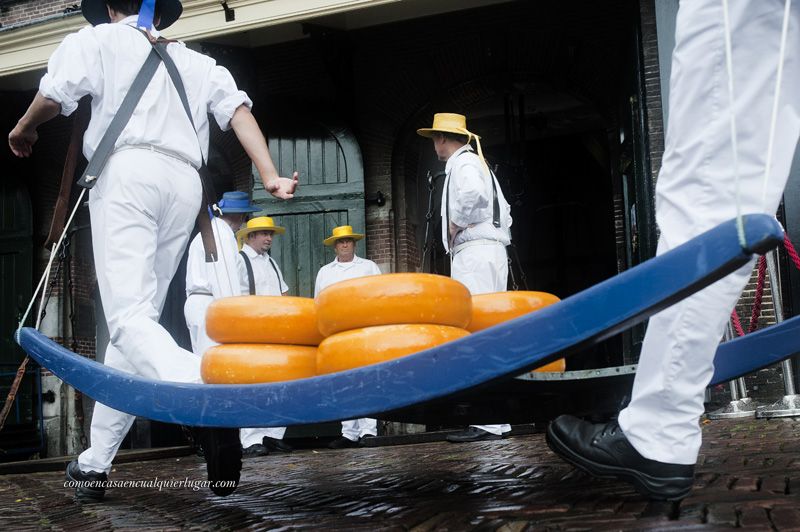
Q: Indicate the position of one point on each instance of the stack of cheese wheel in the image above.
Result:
(373, 319)
(492, 309)
(264, 339)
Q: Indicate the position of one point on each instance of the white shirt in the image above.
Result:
(341, 271)
(266, 274)
(470, 197)
(221, 278)
(102, 61)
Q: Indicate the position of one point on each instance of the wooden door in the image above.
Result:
(331, 193)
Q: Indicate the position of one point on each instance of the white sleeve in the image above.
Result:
(224, 97)
(318, 282)
(73, 71)
(467, 195)
(375, 269)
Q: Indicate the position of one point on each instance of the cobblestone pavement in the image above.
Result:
(748, 476)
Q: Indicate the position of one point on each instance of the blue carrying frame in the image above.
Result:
(480, 359)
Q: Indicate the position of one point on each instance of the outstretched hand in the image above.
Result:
(21, 141)
(283, 187)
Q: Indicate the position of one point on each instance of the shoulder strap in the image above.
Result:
(161, 49)
(120, 120)
(251, 278)
(495, 201)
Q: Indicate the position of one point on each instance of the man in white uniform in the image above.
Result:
(654, 444)
(476, 222)
(146, 199)
(258, 274)
(347, 265)
(207, 281)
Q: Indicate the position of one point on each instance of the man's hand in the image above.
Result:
(282, 187)
(21, 140)
(452, 231)
(254, 143)
(24, 135)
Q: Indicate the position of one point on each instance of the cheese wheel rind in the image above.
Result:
(559, 366)
(390, 299)
(263, 320)
(371, 345)
(492, 309)
(256, 363)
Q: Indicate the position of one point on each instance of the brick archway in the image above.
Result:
(484, 101)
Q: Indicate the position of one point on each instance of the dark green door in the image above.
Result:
(331, 193)
(21, 432)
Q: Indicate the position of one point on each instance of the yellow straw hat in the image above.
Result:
(453, 123)
(447, 123)
(260, 223)
(343, 231)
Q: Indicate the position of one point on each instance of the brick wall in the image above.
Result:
(18, 13)
(652, 85)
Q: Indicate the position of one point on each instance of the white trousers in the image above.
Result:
(142, 211)
(695, 191)
(353, 429)
(195, 313)
(483, 269)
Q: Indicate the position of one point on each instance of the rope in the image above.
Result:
(775, 102)
(755, 313)
(791, 251)
(773, 119)
(12, 392)
(46, 275)
(734, 145)
(737, 324)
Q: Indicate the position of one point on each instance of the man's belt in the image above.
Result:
(476, 242)
(157, 149)
(199, 293)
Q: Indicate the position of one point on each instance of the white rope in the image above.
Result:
(46, 275)
(773, 118)
(734, 145)
(775, 103)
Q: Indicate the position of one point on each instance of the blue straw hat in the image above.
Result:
(236, 202)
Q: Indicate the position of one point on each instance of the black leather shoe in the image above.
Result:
(604, 451)
(90, 486)
(274, 444)
(254, 450)
(223, 454)
(367, 440)
(472, 434)
(342, 443)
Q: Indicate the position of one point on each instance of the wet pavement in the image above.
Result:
(748, 476)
